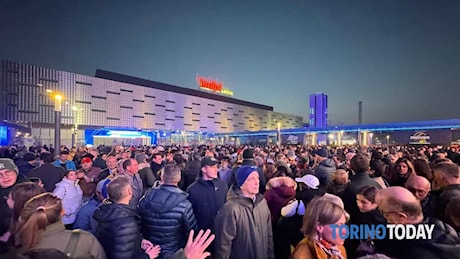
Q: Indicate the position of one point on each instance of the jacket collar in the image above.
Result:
(52, 229)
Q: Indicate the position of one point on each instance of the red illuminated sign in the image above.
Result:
(210, 84)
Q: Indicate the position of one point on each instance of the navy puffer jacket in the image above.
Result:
(167, 217)
(118, 230)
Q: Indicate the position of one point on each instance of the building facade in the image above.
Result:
(318, 110)
(112, 100)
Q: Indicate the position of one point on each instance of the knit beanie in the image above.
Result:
(242, 174)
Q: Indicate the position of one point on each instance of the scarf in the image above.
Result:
(331, 250)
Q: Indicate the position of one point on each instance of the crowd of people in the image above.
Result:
(225, 201)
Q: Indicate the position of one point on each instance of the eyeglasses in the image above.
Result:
(7, 173)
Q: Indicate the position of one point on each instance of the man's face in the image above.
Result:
(438, 180)
(210, 171)
(251, 185)
(125, 155)
(158, 159)
(419, 190)
(111, 163)
(64, 157)
(133, 168)
(7, 178)
(86, 165)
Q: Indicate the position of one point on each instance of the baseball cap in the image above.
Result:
(86, 160)
(310, 180)
(270, 161)
(208, 161)
(6, 163)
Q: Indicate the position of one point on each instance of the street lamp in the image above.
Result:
(57, 122)
(279, 133)
(371, 135)
(388, 139)
(75, 109)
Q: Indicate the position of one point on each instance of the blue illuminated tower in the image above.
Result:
(318, 110)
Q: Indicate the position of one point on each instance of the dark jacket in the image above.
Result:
(99, 163)
(443, 196)
(156, 168)
(207, 197)
(243, 228)
(118, 230)
(84, 219)
(6, 212)
(429, 206)
(89, 188)
(49, 174)
(325, 171)
(445, 243)
(167, 217)
(24, 166)
(357, 182)
(147, 176)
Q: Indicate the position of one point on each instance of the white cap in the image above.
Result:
(310, 180)
(269, 160)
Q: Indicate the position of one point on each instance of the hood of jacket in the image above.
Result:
(143, 165)
(327, 163)
(277, 182)
(164, 198)
(109, 212)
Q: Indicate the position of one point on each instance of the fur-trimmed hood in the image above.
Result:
(281, 181)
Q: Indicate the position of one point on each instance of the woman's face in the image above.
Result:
(333, 236)
(364, 204)
(72, 176)
(402, 168)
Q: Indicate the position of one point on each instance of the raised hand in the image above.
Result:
(194, 249)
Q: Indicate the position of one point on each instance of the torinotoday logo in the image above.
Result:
(389, 231)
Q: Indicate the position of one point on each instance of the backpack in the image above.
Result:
(288, 234)
(72, 244)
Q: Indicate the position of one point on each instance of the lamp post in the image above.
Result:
(371, 135)
(57, 123)
(75, 109)
(388, 139)
(279, 134)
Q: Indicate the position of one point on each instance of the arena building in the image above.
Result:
(114, 108)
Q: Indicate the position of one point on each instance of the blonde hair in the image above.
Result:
(320, 211)
(39, 211)
(341, 176)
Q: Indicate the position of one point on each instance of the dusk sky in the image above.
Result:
(401, 58)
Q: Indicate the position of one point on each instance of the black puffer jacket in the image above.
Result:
(118, 230)
(167, 217)
(445, 243)
(325, 172)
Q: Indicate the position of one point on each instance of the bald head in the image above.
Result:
(419, 186)
(399, 206)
